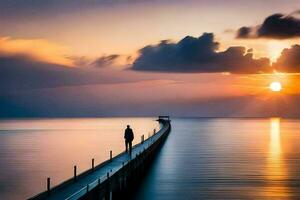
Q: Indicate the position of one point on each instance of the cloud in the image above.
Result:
(289, 60)
(105, 61)
(80, 61)
(30, 88)
(245, 32)
(198, 55)
(20, 73)
(41, 50)
(276, 26)
(115, 61)
(38, 49)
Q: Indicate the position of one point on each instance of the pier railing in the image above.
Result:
(114, 182)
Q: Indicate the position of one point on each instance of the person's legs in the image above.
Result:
(130, 147)
(126, 145)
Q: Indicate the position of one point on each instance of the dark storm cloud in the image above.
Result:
(277, 26)
(198, 55)
(289, 61)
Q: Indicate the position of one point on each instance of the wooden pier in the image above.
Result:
(114, 178)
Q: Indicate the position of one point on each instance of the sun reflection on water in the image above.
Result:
(275, 146)
(276, 170)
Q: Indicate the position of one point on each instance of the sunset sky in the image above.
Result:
(141, 58)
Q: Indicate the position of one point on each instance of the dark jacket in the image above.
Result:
(128, 135)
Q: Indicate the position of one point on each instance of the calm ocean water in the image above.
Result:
(227, 159)
(201, 159)
(32, 150)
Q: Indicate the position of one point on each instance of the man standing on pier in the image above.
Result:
(128, 138)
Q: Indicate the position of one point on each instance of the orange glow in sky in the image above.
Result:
(78, 35)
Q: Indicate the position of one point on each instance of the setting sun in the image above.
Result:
(275, 86)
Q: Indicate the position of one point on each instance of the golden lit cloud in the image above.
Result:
(38, 49)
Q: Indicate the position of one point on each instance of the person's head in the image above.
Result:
(128, 126)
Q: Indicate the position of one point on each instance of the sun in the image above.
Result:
(275, 86)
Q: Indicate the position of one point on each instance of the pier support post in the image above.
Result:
(110, 155)
(142, 139)
(48, 186)
(93, 164)
(75, 172)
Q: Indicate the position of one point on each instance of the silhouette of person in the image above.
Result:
(128, 138)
